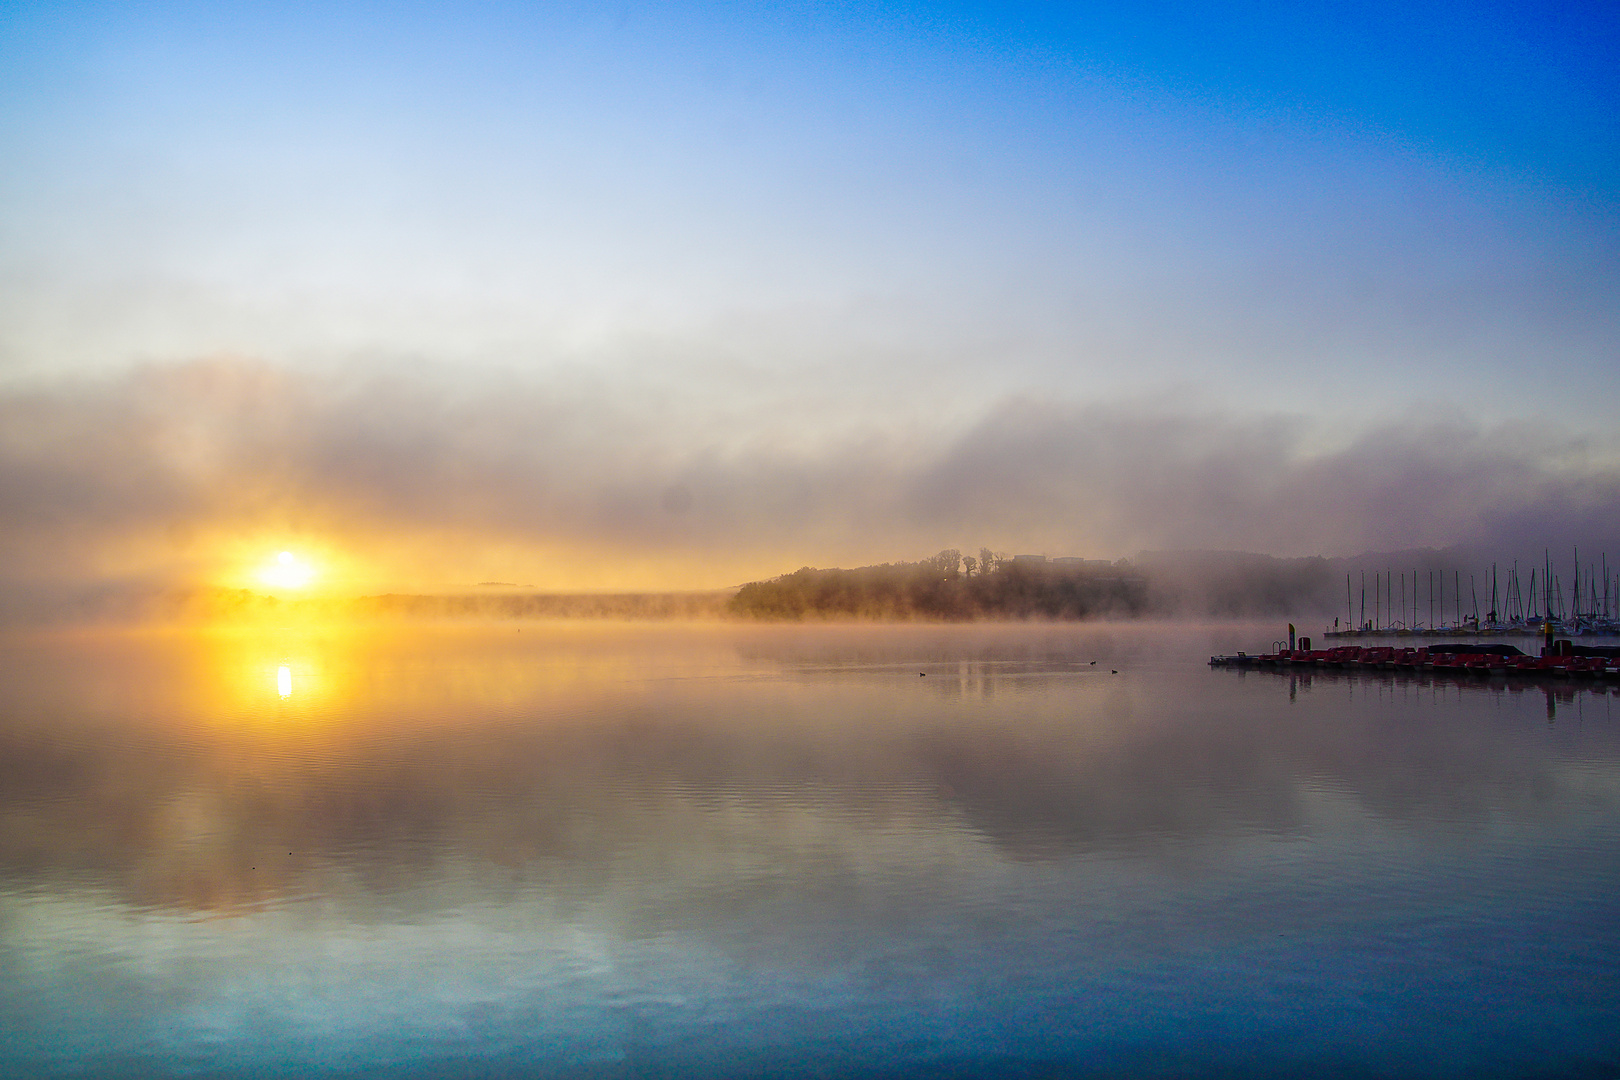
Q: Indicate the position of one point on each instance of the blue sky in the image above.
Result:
(792, 232)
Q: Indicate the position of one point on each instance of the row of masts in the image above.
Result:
(1594, 601)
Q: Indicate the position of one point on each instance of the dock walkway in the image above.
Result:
(1564, 661)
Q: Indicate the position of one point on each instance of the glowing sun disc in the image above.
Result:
(287, 572)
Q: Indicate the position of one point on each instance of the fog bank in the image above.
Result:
(173, 475)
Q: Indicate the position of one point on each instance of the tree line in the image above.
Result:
(948, 587)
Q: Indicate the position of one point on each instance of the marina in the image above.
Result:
(1512, 606)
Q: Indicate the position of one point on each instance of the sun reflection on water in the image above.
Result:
(284, 681)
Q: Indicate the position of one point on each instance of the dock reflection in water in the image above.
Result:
(605, 850)
(1469, 688)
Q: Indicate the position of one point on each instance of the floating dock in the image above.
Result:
(1561, 661)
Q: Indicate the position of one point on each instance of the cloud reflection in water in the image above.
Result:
(484, 841)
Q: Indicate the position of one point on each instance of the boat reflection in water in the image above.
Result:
(606, 850)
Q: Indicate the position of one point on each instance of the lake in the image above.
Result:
(619, 850)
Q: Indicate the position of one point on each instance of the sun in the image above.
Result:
(287, 571)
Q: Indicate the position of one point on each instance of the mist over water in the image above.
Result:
(618, 850)
(180, 475)
(412, 421)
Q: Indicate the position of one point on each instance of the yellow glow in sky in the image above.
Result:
(287, 572)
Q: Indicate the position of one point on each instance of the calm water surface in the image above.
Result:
(614, 851)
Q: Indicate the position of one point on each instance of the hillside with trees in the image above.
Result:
(949, 587)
